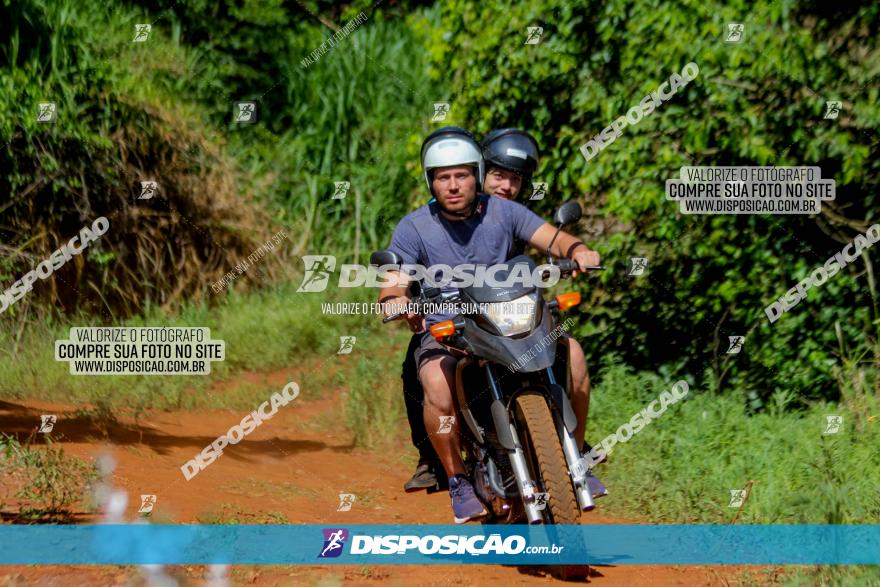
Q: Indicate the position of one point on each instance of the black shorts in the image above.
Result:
(429, 348)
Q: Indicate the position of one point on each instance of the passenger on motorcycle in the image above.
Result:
(510, 156)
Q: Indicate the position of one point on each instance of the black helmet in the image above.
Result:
(512, 149)
(448, 146)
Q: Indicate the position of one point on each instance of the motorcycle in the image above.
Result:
(518, 440)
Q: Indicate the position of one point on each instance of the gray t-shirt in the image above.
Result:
(488, 237)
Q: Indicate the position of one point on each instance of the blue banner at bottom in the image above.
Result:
(440, 544)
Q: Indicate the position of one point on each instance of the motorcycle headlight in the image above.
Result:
(513, 317)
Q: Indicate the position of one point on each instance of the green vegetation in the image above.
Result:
(270, 330)
(758, 102)
(46, 481)
(682, 466)
(163, 110)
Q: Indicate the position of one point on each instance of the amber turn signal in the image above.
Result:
(443, 329)
(568, 300)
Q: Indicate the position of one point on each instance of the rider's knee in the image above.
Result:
(577, 363)
(437, 366)
(436, 378)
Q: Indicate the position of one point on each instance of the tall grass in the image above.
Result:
(374, 405)
(681, 467)
(274, 329)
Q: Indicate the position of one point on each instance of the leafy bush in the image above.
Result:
(759, 102)
(48, 480)
(162, 110)
(114, 129)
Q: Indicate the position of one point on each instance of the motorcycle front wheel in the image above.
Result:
(549, 470)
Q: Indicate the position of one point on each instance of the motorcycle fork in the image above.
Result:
(576, 468)
(509, 439)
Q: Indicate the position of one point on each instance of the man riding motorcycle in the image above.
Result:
(462, 226)
(510, 158)
(504, 176)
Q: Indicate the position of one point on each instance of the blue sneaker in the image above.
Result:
(597, 488)
(465, 504)
(585, 453)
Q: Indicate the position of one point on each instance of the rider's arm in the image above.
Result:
(565, 245)
(394, 295)
(404, 242)
(529, 226)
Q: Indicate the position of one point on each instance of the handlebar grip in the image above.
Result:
(566, 265)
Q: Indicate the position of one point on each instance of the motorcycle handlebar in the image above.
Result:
(567, 266)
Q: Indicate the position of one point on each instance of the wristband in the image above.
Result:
(572, 248)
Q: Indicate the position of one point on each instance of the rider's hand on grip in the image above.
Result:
(584, 259)
(394, 308)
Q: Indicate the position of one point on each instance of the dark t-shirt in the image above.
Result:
(490, 236)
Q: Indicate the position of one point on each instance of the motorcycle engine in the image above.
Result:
(501, 507)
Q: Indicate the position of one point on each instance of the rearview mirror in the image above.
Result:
(568, 213)
(380, 258)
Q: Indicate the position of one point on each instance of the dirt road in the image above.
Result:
(289, 470)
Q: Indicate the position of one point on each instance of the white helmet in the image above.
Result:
(449, 146)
